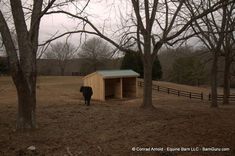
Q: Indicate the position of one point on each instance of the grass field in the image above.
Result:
(67, 127)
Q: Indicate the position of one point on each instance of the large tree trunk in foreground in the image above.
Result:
(22, 59)
(26, 91)
(214, 69)
(26, 118)
(226, 88)
(147, 99)
(23, 73)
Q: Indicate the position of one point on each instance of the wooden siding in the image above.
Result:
(95, 81)
(105, 88)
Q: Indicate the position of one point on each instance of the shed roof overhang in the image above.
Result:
(114, 73)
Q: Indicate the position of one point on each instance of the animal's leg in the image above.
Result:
(89, 99)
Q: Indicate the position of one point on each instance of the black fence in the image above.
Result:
(191, 95)
(220, 97)
(188, 94)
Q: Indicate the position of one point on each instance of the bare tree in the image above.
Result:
(25, 20)
(95, 52)
(228, 49)
(63, 52)
(211, 31)
(149, 26)
(23, 68)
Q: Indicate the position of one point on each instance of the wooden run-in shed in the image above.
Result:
(108, 84)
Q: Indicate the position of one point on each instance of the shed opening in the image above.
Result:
(113, 88)
(117, 84)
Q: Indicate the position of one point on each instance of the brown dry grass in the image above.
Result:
(112, 127)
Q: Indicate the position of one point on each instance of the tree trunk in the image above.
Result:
(26, 91)
(147, 99)
(226, 88)
(214, 81)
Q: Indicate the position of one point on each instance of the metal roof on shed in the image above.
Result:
(117, 73)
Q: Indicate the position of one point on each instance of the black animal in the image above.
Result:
(87, 93)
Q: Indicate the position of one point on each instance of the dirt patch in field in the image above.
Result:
(66, 126)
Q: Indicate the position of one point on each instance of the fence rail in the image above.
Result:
(191, 95)
(220, 97)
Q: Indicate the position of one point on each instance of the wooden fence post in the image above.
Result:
(209, 97)
(178, 92)
(168, 90)
(201, 96)
(190, 95)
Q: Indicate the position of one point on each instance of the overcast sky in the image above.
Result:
(100, 12)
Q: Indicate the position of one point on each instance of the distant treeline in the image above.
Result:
(132, 60)
(183, 65)
(186, 65)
